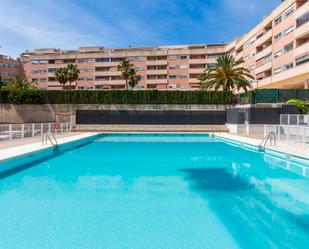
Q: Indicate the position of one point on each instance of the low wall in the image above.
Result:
(152, 128)
(15, 114)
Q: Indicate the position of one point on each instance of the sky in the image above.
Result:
(69, 24)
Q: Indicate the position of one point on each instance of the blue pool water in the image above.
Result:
(165, 191)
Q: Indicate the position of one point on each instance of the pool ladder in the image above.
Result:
(271, 137)
(51, 137)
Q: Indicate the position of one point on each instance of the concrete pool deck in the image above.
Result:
(19, 147)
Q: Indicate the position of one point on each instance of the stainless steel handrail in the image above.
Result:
(265, 139)
(46, 136)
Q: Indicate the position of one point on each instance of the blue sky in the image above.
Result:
(68, 24)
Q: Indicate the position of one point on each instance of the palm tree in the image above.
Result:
(20, 83)
(133, 78)
(227, 74)
(72, 73)
(125, 67)
(61, 76)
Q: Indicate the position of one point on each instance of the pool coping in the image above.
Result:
(15, 157)
(19, 155)
(253, 144)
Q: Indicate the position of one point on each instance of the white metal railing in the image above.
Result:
(20, 131)
(294, 119)
(289, 133)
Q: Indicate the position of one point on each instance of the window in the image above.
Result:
(288, 66)
(38, 62)
(214, 55)
(302, 59)
(52, 70)
(38, 71)
(172, 57)
(288, 13)
(139, 68)
(251, 67)
(302, 20)
(85, 69)
(267, 58)
(102, 60)
(278, 53)
(172, 67)
(289, 30)
(182, 76)
(183, 66)
(172, 76)
(278, 20)
(136, 59)
(183, 57)
(288, 47)
(277, 70)
(85, 60)
(278, 36)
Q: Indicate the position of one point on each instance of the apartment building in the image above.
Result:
(9, 68)
(276, 52)
(165, 67)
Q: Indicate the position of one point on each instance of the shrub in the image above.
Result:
(24, 97)
(115, 97)
(300, 104)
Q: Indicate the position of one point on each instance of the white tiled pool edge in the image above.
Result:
(290, 152)
(18, 156)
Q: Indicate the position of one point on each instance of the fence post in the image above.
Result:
(61, 126)
(32, 130)
(22, 131)
(42, 129)
(288, 133)
(49, 127)
(10, 132)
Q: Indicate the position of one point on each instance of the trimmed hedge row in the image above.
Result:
(115, 97)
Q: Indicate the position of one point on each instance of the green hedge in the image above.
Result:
(272, 96)
(114, 97)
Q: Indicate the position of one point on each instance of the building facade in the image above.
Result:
(276, 52)
(166, 67)
(9, 68)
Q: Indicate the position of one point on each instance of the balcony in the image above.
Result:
(302, 31)
(294, 72)
(267, 36)
(194, 81)
(197, 61)
(109, 82)
(107, 73)
(239, 56)
(301, 10)
(106, 64)
(157, 63)
(196, 70)
(263, 53)
(157, 72)
(301, 50)
(211, 60)
(156, 81)
(265, 82)
(263, 68)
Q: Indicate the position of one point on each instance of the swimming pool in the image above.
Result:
(156, 191)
